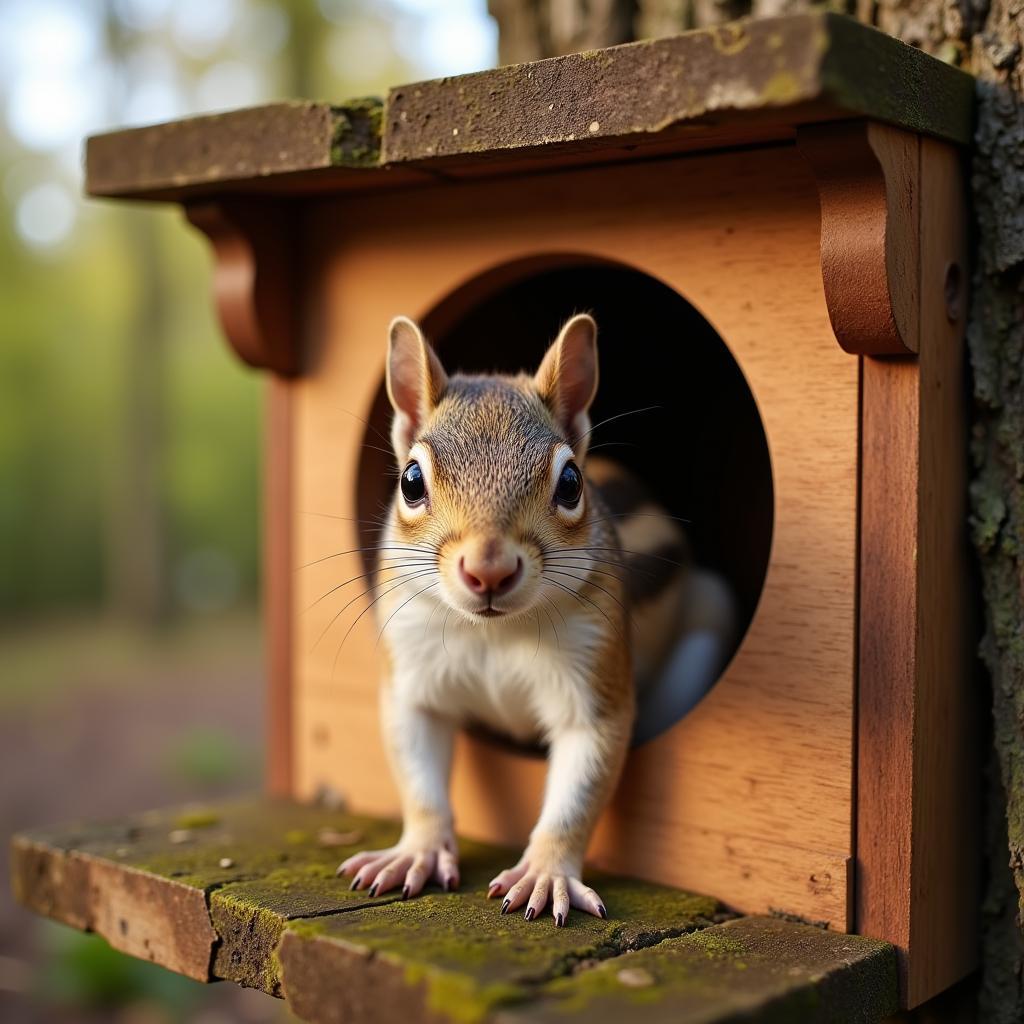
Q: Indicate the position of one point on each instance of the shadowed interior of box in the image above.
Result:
(679, 412)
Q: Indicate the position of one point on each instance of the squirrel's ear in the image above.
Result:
(415, 380)
(567, 378)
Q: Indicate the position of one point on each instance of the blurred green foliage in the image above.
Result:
(129, 435)
(83, 971)
(63, 335)
(207, 758)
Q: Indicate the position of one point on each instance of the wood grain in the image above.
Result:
(740, 83)
(917, 778)
(150, 917)
(867, 178)
(256, 277)
(248, 893)
(947, 767)
(278, 577)
(750, 798)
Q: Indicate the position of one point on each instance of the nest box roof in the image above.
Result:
(737, 84)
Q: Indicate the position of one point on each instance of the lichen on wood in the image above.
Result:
(357, 130)
(250, 895)
(783, 971)
(454, 955)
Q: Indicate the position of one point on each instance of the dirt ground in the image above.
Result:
(97, 721)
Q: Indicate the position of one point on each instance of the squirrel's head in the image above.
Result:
(492, 466)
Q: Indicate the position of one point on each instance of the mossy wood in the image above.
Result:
(246, 892)
(745, 82)
(796, 184)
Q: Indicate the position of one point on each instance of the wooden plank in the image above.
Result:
(752, 969)
(204, 892)
(946, 870)
(450, 956)
(255, 143)
(278, 576)
(724, 85)
(887, 662)
(209, 892)
(246, 892)
(400, 966)
(745, 798)
(627, 92)
(917, 768)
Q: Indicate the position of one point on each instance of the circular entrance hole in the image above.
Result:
(701, 450)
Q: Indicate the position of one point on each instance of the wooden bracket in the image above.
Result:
(256, 277)
(868, 183)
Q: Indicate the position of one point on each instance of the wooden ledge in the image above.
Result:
(246, 892)
(735, 84)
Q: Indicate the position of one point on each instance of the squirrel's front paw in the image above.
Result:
(537, 884)
(412, 864)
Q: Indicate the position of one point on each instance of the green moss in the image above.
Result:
(729, 39)
(715, 944)
(196, 819)
(781, 971)
(249, 934)
(358, 127)
(457, 996)
(782, 87)
(469, 959)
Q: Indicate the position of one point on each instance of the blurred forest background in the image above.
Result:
(130, 654)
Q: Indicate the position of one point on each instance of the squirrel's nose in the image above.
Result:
(493, 576)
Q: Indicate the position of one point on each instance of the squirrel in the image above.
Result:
(525, 596)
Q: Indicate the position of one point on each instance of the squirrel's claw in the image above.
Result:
(521, 886)
(380, 871)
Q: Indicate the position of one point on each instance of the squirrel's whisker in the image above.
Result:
(618, 416)
(355, 621)
(582, 568)
(363, 551)
(551, 621)
(636, 515)
(612, 444)
(430, 617)
(623, 551)
(555, 608)
(587, 600)
(589, 583)
(402, 605)
(369, 590)
(627, 570)
(346, 519)
(369, 425)
(443, 628)
(412, 565)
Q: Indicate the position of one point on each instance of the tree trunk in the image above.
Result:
(986, 38)
(137, 542)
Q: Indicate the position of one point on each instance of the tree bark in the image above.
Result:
(986, 37)
(136, 555)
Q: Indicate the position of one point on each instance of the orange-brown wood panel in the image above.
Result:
(278, 573)
(750, 797)
(888, 642)
(867, 176)
(916, 878)
(946, 871)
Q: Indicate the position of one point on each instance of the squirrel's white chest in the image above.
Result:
(528, 678)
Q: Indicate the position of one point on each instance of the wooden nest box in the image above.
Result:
(768, 221)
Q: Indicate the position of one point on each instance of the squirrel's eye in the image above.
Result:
(413, 488)
(570, 486)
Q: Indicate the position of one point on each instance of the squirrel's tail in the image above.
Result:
(707, 638)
